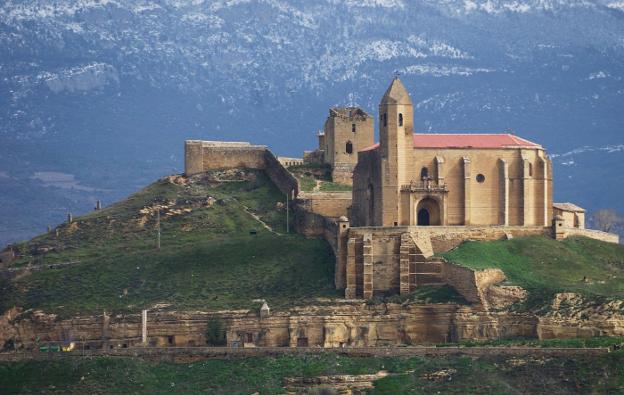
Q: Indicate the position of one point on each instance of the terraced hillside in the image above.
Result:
(223, 244)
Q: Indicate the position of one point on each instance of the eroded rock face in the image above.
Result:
(500, 297)
(340, 384)
(331, 326)
(573, 316)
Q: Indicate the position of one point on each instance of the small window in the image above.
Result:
(480, 178)
(349, 148)
(400, 119)
(385, 119)
(250, 338)
(353, 127)
(530, 169)
(424, 173)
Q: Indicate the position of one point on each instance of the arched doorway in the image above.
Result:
(428, 212)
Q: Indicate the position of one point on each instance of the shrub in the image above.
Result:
(215, 333)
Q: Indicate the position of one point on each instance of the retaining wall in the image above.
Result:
(590, 233)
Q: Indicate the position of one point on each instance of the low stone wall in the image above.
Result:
(328, 204)
(201, 156)
(590, 233)
(462, 279)
(445, 238)
(471, 284)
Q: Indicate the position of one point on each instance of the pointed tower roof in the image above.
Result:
(396, 94)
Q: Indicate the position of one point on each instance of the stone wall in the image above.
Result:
(328, 204)
(445, 238)
(462, 279)
(473, 285)
(566, 232)
(201, 156)
(285, 182)
(385, 256)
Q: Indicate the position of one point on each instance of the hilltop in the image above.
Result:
(223, 244)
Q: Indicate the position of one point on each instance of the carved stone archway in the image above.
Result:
(428, 212)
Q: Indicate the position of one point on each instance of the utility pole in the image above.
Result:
(158, 228)
(287, 216)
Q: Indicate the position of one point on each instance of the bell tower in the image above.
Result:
(396, 130)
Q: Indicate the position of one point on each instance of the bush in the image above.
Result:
(215, 333)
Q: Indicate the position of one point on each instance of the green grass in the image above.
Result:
(585, 342)
(208, 258)
(484, 375)
(308, 175)
(544, 266)
(334, 187)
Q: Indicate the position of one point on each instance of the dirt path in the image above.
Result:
(258, 219)
(170, 353)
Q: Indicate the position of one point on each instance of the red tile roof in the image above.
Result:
(466, 141)
(471, 141)
(372, 147)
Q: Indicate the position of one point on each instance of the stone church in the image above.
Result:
(413, 196)
(412, 179)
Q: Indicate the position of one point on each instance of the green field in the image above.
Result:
(214, 256)
(544, 266)
(415, 375)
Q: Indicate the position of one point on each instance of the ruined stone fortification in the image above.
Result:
(202, 156)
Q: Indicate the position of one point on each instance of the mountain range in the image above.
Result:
(97, 96)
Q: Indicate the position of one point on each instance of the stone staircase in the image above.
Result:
(417, 266)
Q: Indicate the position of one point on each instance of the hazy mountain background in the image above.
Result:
(97, 97)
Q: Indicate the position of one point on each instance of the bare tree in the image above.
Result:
(606, 219)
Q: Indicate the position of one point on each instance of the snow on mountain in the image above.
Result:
(106, 90)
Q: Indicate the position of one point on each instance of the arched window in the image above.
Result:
(349, 147)
(400, 119)
(424, 173)
(353, 127)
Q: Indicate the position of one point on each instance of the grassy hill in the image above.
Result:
(223, 243)
(454, 374)
(544, 266)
